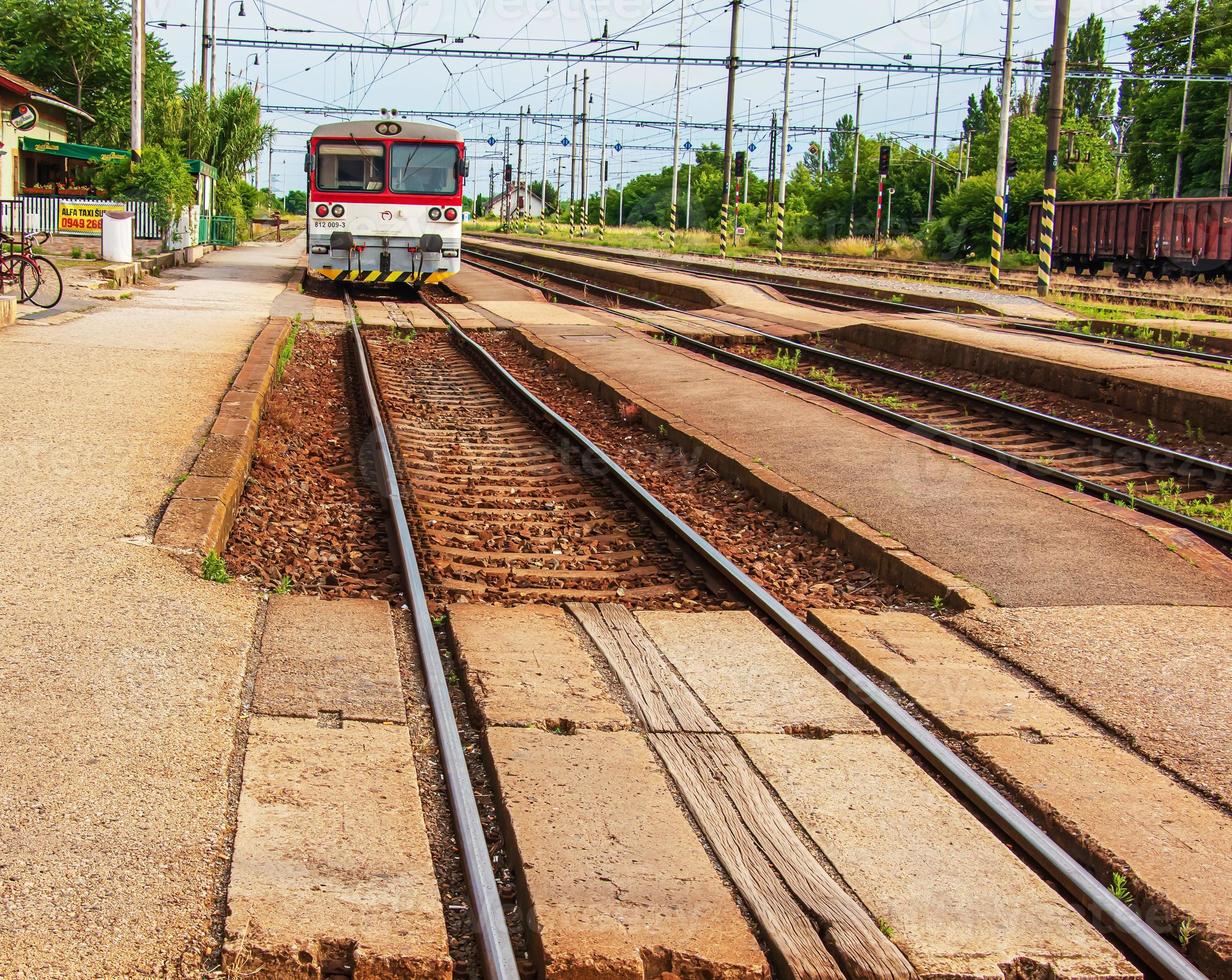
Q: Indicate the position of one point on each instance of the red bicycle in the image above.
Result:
(36, 277)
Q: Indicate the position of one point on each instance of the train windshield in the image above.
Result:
(351, 167)
(423, 168)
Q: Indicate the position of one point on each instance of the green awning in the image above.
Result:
(201, 167)
(75, 151)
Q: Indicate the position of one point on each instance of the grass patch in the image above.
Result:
(829, 377)
(783, 360)
(214, 569)
(284, 585)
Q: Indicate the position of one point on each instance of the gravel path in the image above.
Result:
(119, 671)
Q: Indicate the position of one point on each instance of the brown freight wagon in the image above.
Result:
(1166, 237)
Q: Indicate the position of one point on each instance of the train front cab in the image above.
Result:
(384, 210)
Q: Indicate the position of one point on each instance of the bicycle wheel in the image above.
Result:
(41, 283)
(17, 270)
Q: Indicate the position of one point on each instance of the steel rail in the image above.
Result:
(1182, 462)
(1107, 910)
(488, 912)
(854, 299)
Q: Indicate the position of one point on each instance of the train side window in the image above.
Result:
(423, 168)
(351, 167)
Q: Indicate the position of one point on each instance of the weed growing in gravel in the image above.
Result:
(829, 377)
(1194, 432)
(1204, 508)
(283, 586)
(214, 569)
(438, 621)
(288, 348)
(1184, 933)
(405, 335)
(1120, 889)
(75, 253)
(1152, 434)
(938, 603)
(887, 930)
(783, 360)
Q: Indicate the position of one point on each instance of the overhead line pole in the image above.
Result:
(1180, 145)
(779, 214)
(1056, 102)
(1003, 144)
(573, 148)
(583, 152)
(517, 182)
(543, 187)
(728, 130)
(1227, 149)
(855, 164)
(137, 140)
(932, 163)
(603, 158)
(671, 222)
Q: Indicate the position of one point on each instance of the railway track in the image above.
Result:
(1150, 478)
(471, 436)
(832, 297)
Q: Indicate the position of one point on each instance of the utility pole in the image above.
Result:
(517, 183)
(1180, 136)
(1003, 145)
(543, 187)
(1056, 101)
(560, 163)
(573, 148)
(620, 213)
(491, 186)
(603, 156)
(505, 175)
(855, 164)
(932, 163)
(1227, 149)
(727, 136)
(771, 160)
(780, 214)
(671, 222)
(138, 77)
(585, 145)
(206, 79)
(688, 193)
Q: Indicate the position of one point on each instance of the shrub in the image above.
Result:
(159, 176)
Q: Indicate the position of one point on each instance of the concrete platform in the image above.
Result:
(120, 672)
(1023, 542)
(1114, 807)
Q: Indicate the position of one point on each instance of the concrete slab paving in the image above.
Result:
(332, 873)
(120, 671)
(619, 885)
(529, 665)
(959, 904)
(334, 655)
(957, 514)
(1159, 675)
(749, 679)
(526, 312)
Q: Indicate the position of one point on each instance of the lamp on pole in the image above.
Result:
(233, 3)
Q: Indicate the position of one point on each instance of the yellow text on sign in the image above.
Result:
(83, 218)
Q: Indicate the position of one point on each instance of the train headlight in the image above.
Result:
(322, 210)
(451, 214)
(434, 214)
(338, 211)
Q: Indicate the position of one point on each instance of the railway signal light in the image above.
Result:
(1011, 167)
(738, 164)
(508, 172)
(883, 163)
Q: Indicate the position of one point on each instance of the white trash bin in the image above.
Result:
(118, 236)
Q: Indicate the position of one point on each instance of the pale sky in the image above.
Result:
(873, 31)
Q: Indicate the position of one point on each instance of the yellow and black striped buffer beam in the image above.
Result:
(374, 276)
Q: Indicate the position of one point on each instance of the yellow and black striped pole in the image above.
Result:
(603, 205)
(998, 236)
(671, 227)
(723, 230)
(1047, 213)
(778, 233)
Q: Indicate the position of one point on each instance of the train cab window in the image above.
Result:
(351, 167)
(423, 168)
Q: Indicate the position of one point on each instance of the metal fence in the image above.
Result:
(43, 212)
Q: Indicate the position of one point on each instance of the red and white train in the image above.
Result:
(385, 201)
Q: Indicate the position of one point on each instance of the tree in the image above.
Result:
(1160, 43)
(297, 202)
(842, 139)
(80, 51)
(159, 177)
(984, 113)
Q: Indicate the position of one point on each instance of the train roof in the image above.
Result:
(366, 129)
